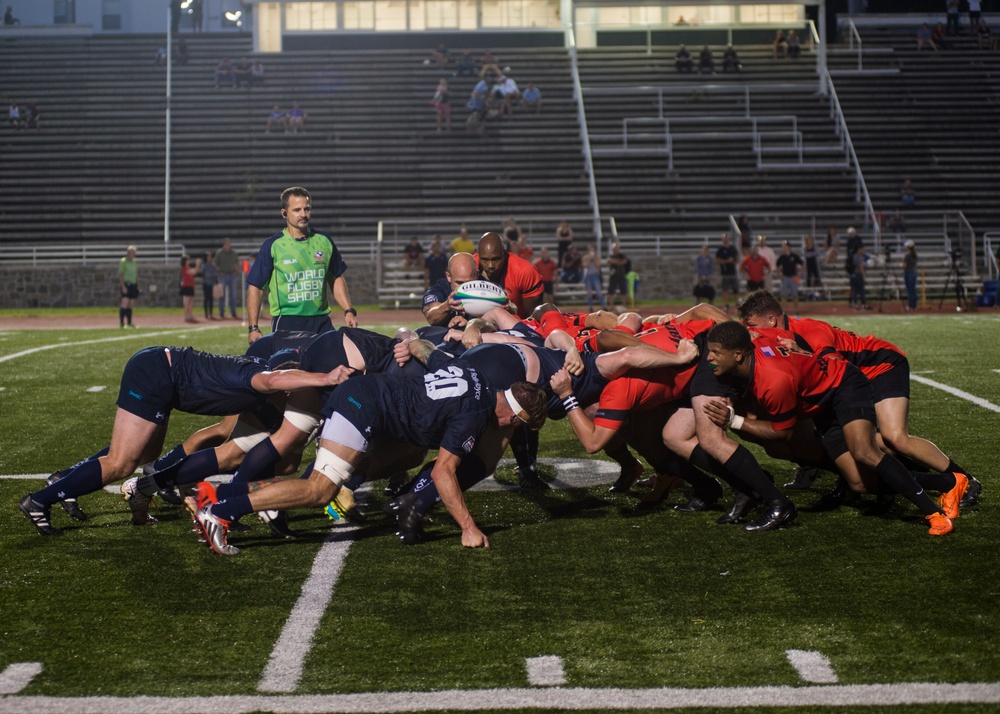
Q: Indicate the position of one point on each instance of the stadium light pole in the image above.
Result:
(166, 171)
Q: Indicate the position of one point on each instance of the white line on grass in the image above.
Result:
(958, 393)
(18, 676)
(545, 671)
(130, 336)
(97, 388)
(812, 666)
(559, 698)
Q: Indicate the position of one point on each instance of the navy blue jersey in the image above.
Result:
(438, 292)
(587, 387)
(449, 409)
(264, 347)
(214, 385)
(499, 364)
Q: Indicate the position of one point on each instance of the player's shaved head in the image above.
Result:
(491, 243)
(461, 268)
(760, 303)
(731, 335)
(492, 256)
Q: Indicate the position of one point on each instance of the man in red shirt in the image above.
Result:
(885, 366)
(755, 267)
(548, 269)
(519, 278)
(791, 385)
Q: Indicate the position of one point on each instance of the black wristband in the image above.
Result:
(352, 311)
(570, 403)
(252, 329)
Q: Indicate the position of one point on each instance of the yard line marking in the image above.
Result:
(130, 336)
(837, 695)
(18, 676)
(995, 370)
(957, 393)
(545, 671)
(96, 389)
(812, 666)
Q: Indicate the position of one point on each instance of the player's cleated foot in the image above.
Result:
(343, 508)
(883, 504)
(950, 501)
(409, 521)
(215, 530)
(804, 478)
(277, 521)
(940, 524)
(205, 495)
(778, 514)
(39, 516)
(701, 499)
(70, 505)
(663, 486)
(840, 495)
(171, 496)
(743, 503)
(138, 502)
(530, 481)
(395, 485)
(627, 478)
(971, 497)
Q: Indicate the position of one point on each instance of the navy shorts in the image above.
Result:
(131, 291)
(146, 387)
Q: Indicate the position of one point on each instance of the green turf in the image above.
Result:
(627, 597)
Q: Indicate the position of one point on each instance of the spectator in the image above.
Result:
(767, 253)
(489, 64)
(683, 61)
(731, 61)
(224, 73)
(297, 119)
(858, 278)
(413, 255)
(620, 266)
(441, 56)
(209, 285)
(572, 266)
(703, 268)
(897, 222)
(435, 263)
(910, 274)
(564, 238)
(975, 9)
(30, 116)
(907, 194)
(128, 278)
(985, 35)
(814, 277)
(549, 270)
(706, 64)
(789, 264)
(14, 117)
(832, 246)
(794, 50)
(755, 268)
(441, 101)
(180, 51)
(161, 56)
(462, 243)
(476, 121)
(592, 278)
(853, 243)
(780, 44)
(175, 16)
(8, 17)
(227, 262)
(939, 38)
(531, 99)
(728, 260)
(277, 117)
(512, 233)
(257, 74)
(746, 235)
(197, 14)
(924, 38)
(241, 72)
(466, 65)
(953, 18)
(522, 249)
(510, 94)
(189, 269)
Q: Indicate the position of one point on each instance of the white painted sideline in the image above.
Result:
(17, 676)
(957, 393)
(559, 698)
(545, 671)
(812, 666)
(129, 336)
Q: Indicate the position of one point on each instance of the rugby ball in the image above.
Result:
(480, 296)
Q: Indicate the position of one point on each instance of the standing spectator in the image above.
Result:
(814, 277)
(571, 266)
(746, 234)
(175, 16)
(780, 44)
(731, 60)
(531, 99)
(755, 268)
(703, 269)
(683, 61)
(953, 19)
(413, 255)
(441, 101)
(768, 254)
(620, 266)
(549, 270)
(197, 14)
(466, 65)
(564, 239)
(209, 283)
(789, 264)
(592, 278)
(858, 279)
(224, 73)
(435, 263)
(300, 267)
(8, 17)
(297, 118)
(189, 269)
(462, 243)
(794, 49)
(128, 279)
(853, 243)
(512, 233)
(706, 64)
(227, 263)
(910, 274)
(277, 116)
(728, 260)
(975, 10)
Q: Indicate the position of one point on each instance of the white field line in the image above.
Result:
(957, 393)
(18, 676)
(812, 666)
(129, 336)
(96, 388)
(556, 698)
(545, 671)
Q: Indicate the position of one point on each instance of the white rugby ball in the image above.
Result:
(480, 296)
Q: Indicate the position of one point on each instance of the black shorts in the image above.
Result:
(890, 377)
(146, 387)
(851, 400)
(548, 286)
(131, 291)
(754, 285)
(187, 290)
(301, 323)
(617, 284)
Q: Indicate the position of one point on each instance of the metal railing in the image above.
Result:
(991, 243)
(588, 158)
(853, 35)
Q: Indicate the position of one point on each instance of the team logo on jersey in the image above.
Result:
(354, 401)
(468, 444)
(318, 255)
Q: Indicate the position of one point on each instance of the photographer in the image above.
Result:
(910, 274)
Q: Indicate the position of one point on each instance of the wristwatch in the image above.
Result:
(352, 311)
(252, 329)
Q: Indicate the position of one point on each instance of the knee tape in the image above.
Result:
(246, 437)
(333, 467)
(306, 422)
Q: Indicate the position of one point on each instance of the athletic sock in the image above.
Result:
(902, 482)
(470, 471)
(232, 508)
(524, 444)
(231, 489)
(83, 479)
(307, 471)
(258, 463)
(121, 317)
(674, 465)
(744, 467)
(620, 454)
(942, 483)
(701, 459)
(356, 480)
(955, 468)
(170, 458)
(128, 315)
(191, 469)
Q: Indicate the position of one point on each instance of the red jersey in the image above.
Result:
(572, 323)
(519, 280)
(547, 269)
(755, 268)
(792, 385)
(667, 336)
(868, 353)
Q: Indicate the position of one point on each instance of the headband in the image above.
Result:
(515, 405)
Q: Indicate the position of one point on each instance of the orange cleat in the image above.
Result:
(949, 501)
(940, 524)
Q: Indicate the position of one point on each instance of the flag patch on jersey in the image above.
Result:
(469, 444)
(767, 351)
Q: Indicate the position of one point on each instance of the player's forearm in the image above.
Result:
(587, 433)
(421, 350)
(438, 314)
(451, 495)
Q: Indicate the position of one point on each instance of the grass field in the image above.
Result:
(646, 608)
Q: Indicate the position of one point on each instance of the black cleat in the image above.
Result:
(170, 495)
(743, 503)
(529, 481)
(778, 514)
(971, 497)
(627, 478)
(409, 522)
(70, 505)
(39, 516)
(277, 521)
(840, 495)
(804, 478)
(702, 499)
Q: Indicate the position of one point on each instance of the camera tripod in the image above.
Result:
(961, 301)
(887, 273)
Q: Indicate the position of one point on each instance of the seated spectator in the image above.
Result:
(985, 35)
(466, 65)
(180, 51)
(924, 37)
(297, 119)
(483, 87)
(489, 64)
(531, 99)
(907, 194)
(161, 56)
(8, 17)
(572, 266)
(241, 72)
(14, 116)
(442, 106)
(794, 50)
(440, 55)
(277, 117)
(897, 222)
(730, 60)
(257, 74)
(413, 255)
(510, 93)
(476, 121)
(30, 116)
(706, 64)
(683, 60)
(224, 73)
(940, 38)
(779, 45)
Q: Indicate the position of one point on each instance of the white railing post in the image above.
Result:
(588, 158)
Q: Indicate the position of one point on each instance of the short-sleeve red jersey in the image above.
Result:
(867, 353)
(520, 280)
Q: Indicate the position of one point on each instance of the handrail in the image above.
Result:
(854, 34)
(992, 270)
(379, 234)
(860, 186)
(588, 158)
(963, 221)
